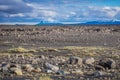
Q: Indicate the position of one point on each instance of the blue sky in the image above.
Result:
(63, 11)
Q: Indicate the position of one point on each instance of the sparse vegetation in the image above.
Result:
(90, 51)
(28, 54)
(21, 50)
(48, 49)
(1, 54)
(74, 50)
(45, 77)
(60, 53)
(84, 48)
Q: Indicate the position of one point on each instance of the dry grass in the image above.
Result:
(83, 48)
(73, 50)
(21, 50)
(28, 54)
(45, 77)
(48, 49)
(90, 51)
(4, 54)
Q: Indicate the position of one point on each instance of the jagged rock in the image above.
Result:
(107, 63)
(51, 67)
(89, 61)
(75, 60)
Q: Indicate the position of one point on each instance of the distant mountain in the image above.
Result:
(103, 22)
(48, 24)
(86, 23)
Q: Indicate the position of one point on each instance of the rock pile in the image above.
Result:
(59, 65)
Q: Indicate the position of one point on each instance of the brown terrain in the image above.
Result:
(60, 52)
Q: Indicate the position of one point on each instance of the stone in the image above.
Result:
(21, 56)
(34, 61)
(75, 60)
(17, 71)
(0, 69)
(51, 67)
(89, 61)
(98, 74)
(107, 63)
(42, 56)
(37, 70)
(66, 72)
(51, 56)
(49, 71)
(78, 71)
(15, 65)
(28, 67)
(60, 72)
(98, 67)
(5, 67)
(12, 69)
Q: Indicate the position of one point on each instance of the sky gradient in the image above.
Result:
(58, 11)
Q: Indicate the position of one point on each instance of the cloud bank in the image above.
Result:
(57, 11)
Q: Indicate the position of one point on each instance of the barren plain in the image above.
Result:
(81, 52)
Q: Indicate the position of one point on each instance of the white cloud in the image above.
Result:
(42, 12)
(17, 15)
(48, 13)
(54, 13)
(102, 12)
(111, 11)
(73, 13)
(51, 20)
(53, 10)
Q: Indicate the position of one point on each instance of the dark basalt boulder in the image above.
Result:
(107, 63)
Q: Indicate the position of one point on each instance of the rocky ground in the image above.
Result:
(59, 53)
(38, 36)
